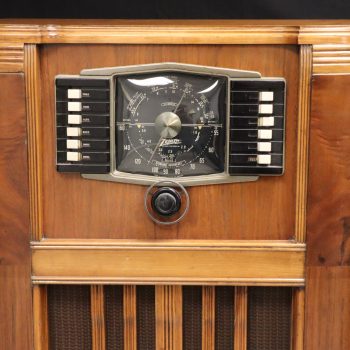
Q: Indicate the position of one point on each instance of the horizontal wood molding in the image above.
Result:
(331, 59)
(336, 34)
(174, 262)
(134, 32)
(11, 57)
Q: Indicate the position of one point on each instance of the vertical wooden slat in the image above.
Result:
(130, 340)
(40, 319)
(97, 318)
(298, 319)
(305, 72)
(169, 317)
(33, 105)
(241, 308)
(208, 318)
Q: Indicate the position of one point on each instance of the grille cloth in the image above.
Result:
(269, 318)
(224, 320)
(114, 317)
(146, 318)
(192, 317)
(69, 316)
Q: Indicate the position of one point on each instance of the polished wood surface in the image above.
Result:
(76, 208)
(328, 233)
(241, 318)
(15, 288)
(130, 331)
(272, 263)
(208, 318)
(40, 318)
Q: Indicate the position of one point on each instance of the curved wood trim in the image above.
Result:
(305, 73)
(11, 57)
(32, 80)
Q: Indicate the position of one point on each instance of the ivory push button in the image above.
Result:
(74, 144)
(73, 156)
(74, 93)
(266, 96)
(266, 109)
(74, 119)
(263, 159)
(74, 132)
(74, 106)
(264, 146)
(266, 121)
(265, 134)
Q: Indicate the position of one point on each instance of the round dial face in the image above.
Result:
(170, 124)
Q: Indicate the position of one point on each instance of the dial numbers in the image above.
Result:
(171, 127)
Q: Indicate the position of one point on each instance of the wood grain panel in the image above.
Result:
(169, 317)
(80, 208)
(329, 185)
(98, 318)
(232, 263)
(328, 308)
(15, 291)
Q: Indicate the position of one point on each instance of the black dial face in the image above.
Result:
(170, 124)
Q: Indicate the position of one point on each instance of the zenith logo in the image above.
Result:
(167, 142)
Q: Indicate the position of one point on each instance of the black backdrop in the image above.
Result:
(165, 9)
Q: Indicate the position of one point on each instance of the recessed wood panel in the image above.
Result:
(15, 289)
(80, 208)
(328, 230)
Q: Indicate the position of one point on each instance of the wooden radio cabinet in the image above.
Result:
(257, 262)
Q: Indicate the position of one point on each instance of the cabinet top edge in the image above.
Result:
(32, 31)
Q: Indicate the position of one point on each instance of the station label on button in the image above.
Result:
(266, 109)
(265, 134)
(74, 93)
(74, 106)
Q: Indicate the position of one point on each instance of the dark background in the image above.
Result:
(165, 9)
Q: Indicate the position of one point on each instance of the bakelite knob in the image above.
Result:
(166, 201)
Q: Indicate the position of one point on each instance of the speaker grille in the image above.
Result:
(69, 315)
(269, 318)
(192, 317)
(146, 317)
(224, 320)
(114, 317)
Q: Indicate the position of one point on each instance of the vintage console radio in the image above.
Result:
(178, 185)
